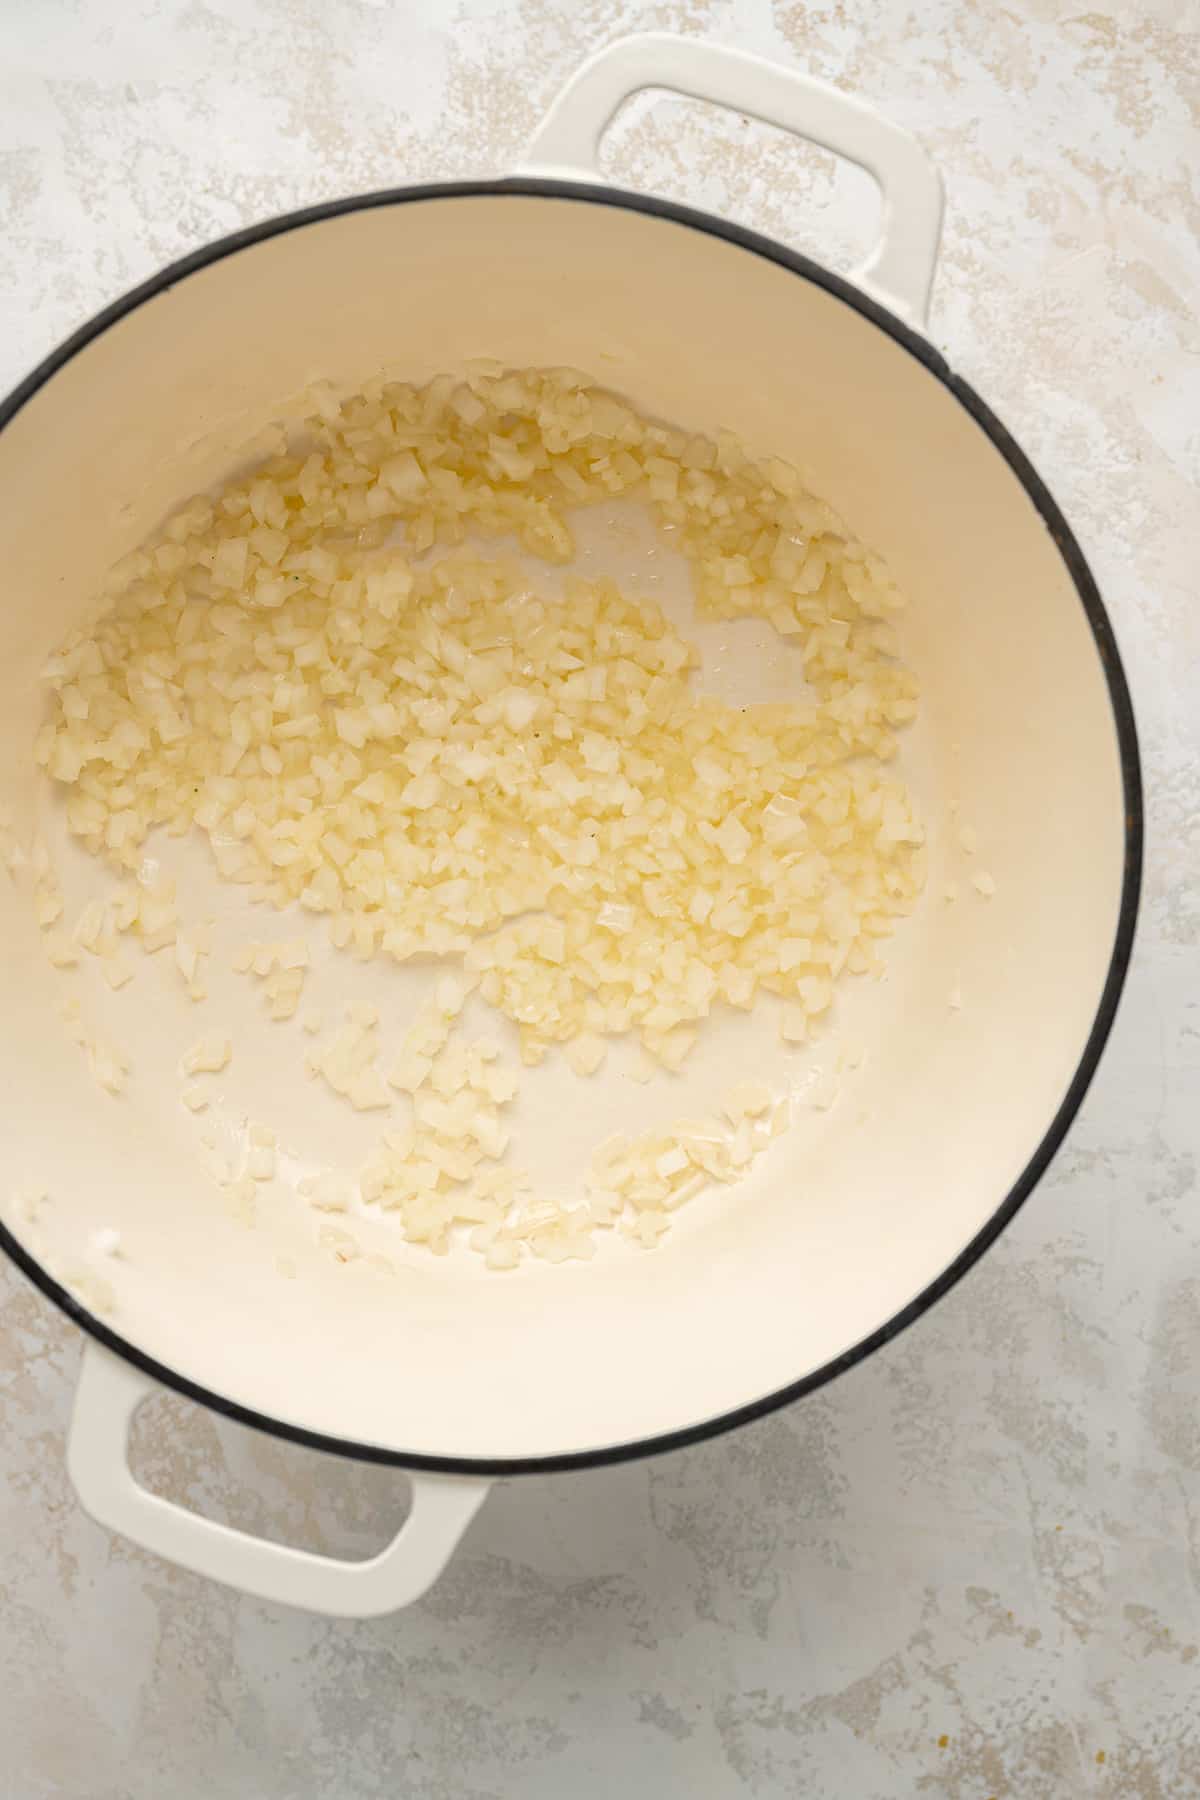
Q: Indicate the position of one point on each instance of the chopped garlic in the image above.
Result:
(48, 905)
(187, 956)
(747, 1100)
(116, 972)
(451, 995)
(502, 1256)
(409, 1071)
(500, 1085)
(347, 1062)
(793, 1024)
(447, 764)
(208, 1056)
(90, 925)
(107, 1064)
(329, 1191)
(59, 952)
(816, 993)
(672, 1162)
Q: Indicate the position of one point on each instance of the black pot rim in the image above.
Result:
(1102, 633)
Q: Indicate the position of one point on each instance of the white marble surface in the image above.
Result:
(972, 1567)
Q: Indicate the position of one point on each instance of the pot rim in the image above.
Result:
(1123, 720)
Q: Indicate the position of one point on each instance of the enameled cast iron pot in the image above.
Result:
(864, 1218)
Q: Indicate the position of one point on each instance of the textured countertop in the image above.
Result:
(970, 1568)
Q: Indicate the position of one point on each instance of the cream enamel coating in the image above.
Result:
(901, 268)
(860, 1207)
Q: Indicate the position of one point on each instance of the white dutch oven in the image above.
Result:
(864, 1216)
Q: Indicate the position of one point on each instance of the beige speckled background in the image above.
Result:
(972, 1567)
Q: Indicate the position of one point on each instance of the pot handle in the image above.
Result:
(106, 1398)
(900, 271)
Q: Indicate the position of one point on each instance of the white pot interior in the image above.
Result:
(861, 1206)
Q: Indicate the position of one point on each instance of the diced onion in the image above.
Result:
(444, 762)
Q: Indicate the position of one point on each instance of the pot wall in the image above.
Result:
(860, 1208)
